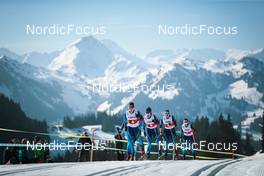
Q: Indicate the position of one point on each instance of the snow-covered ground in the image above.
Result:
(247, 166)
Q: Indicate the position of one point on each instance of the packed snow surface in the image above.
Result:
(247, 166)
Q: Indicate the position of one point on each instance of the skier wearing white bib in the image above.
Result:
(187, 138)
(151, 124)
(167, 129)
(133, 123)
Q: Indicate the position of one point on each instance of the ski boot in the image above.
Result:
(133, 158)
(194, 156)
(143, 157)
(148, 156)
(128, 158)
(165, 157)
(176, 156)
(160, 156)
(142, 154)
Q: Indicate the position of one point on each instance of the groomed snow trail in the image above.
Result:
(246, 166)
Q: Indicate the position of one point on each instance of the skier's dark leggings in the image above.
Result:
(189, 141)
(169, 136)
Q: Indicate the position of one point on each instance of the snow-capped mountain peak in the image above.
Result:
(215, 78)
(117, 50)
(236, 54)
(86, 56)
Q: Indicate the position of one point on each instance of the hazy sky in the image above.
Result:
(132, 24)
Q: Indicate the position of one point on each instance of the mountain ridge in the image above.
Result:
(202, 86)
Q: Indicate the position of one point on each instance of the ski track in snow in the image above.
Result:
(132, 168)
(247, 167)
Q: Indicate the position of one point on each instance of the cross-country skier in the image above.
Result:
(187, 138)
(133, 125)
(151, 124)
(167, 129)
